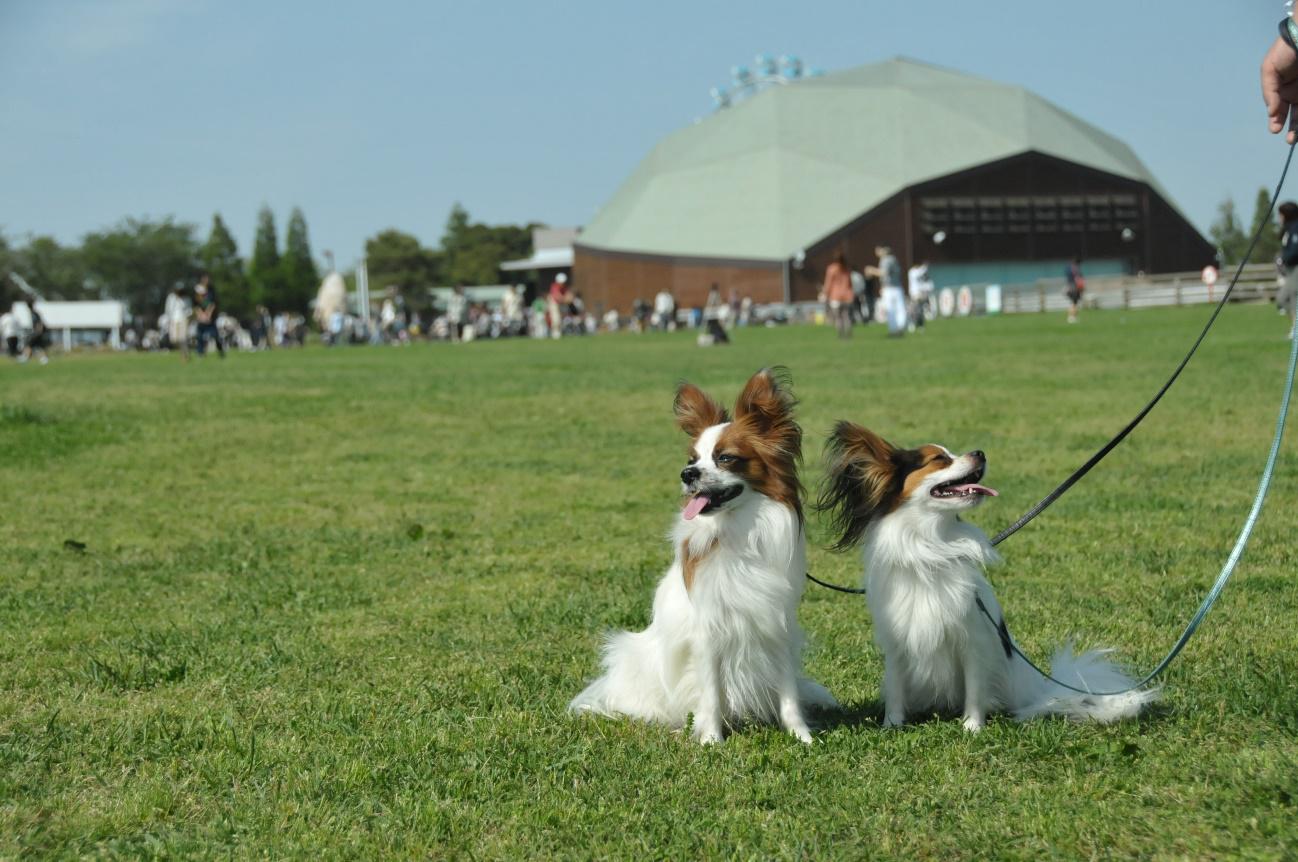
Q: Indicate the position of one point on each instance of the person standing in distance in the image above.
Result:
(1288, 263)
(205, 312)
(838, 295)
(176, 313)
(894, 297)
(37, 335)
(1076, 287)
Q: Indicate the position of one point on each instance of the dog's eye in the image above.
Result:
(726, 459)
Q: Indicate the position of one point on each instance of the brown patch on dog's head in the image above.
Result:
(867, 477)
(922, 463)
(763, 444)
(696, 411)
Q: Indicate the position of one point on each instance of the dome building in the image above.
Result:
(986, 181)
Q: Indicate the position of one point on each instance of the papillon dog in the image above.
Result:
(924, 581)
(724, 644)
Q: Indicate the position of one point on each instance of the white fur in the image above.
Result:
(729, 649)
(924, 567)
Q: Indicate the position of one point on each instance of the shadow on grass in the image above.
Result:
(864, 714)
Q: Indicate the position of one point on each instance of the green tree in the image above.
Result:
(220, 258)
(1268, 242)
(396, 259)
(299, 277)
(139, 261)
(473, 252)
(264, 273)
(455, 237)
(54, 271)
(1227, 234)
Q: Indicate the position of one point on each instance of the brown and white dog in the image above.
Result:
(724, 644)
(924, 579)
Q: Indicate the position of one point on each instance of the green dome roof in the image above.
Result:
(792, 164)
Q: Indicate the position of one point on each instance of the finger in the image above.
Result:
(1275, 106)
(1293, 124)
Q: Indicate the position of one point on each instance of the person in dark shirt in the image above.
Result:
(1076, 287)
(1287, 299)
(38, 338)
(205, 312)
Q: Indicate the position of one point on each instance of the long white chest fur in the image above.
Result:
(921, 587)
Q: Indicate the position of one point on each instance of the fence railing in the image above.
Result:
(1257, 283)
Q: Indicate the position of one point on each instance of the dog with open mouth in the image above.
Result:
(924, 581)
(724, 644)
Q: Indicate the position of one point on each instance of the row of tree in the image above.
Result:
(1229, 235)
(139, 261)
(469, 253)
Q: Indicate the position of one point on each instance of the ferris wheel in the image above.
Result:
(767, 72)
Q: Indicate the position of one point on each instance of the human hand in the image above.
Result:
(1280, 88)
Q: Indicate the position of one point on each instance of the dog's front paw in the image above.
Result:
(708, 732)
(709, 737)
(973, 723)
(802, 734)
(893, 720)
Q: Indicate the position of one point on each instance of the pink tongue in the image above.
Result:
(694, 506)
(974, 489)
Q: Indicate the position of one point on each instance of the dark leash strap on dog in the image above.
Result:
(816, 580)
(1246, 532)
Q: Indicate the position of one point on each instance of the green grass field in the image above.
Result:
(332, 604)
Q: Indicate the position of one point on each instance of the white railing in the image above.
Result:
(1257, 283)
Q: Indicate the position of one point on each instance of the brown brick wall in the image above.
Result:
(614, 280)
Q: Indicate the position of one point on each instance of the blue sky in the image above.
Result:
(383, 114)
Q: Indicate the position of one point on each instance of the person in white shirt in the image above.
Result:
(511, 309)
(176, 314)
(9, 334)
(920, 288)
(665, 310)
(457, 306)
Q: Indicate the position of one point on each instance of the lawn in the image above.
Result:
(332, 604)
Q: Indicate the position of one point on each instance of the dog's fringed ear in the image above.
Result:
(767, 399)
(695, 411)
(860, 478)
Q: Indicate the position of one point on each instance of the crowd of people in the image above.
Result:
(852, 296)
(195, 318)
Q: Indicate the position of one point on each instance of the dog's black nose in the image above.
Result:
(978, 453)
(690, 474)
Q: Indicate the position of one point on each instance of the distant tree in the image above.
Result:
(139, 261)
(264, 273)
(299, 277)
(1268, 242)
(54, 271)
(454, 241)
(396, 259)
(1227, 234)
(8, 262)
(474, 252)
(220, 257)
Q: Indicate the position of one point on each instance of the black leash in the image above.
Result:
(1122, 435)
(816, 580)
(1099, 456)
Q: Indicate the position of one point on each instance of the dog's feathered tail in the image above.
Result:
(1034, 695)
(634, 681)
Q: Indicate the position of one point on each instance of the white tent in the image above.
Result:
(97, 315)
